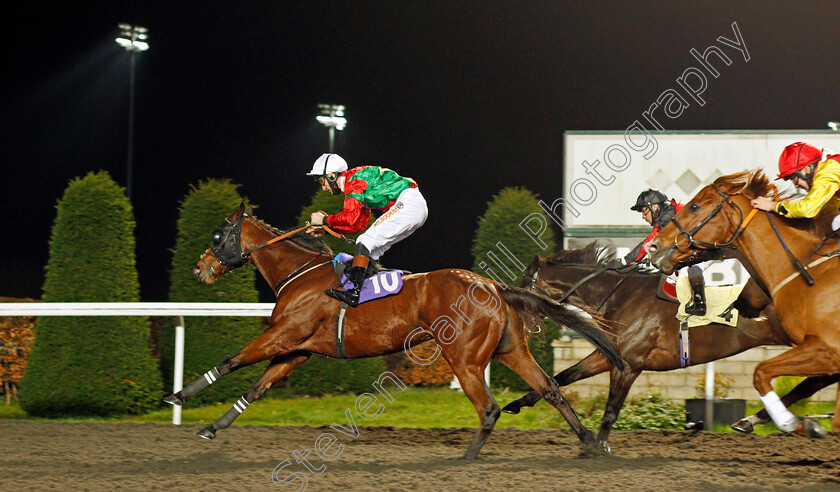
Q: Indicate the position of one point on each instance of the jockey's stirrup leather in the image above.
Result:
(355, 274)
(698, 303)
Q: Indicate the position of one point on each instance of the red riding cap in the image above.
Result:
(797, 156)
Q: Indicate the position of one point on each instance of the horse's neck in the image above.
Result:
(594, 290)
(760, 245)
(277, 260)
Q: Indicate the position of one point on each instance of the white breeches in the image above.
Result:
(407, 214)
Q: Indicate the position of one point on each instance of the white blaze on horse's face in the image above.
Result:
(208, 268)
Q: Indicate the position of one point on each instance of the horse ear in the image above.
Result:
(239, 211)
(249, 210)
(535, 264)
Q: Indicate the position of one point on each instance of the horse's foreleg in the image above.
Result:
(593, 364)
(263, 347)
(620, 383)
(522, 363)
(804, 389)
(280, 366)
(811, 358)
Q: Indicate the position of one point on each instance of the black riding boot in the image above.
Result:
(355, 274)
(698, 303)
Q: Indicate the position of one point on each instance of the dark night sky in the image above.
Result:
(465, 97)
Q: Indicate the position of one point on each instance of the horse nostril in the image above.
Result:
(196, 271)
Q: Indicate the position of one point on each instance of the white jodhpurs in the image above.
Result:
(404, 217)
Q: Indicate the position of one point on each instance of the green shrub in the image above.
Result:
(500, 223)
(653, 411)
(91, 365)
(209, 340)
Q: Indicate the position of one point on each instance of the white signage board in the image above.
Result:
(604, 172)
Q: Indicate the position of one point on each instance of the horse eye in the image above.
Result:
(694, 207)
(217, 237)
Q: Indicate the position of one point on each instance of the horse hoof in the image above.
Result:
(512, 408)
(743, 425)
(598, 449)
(814, 429)
(207, 433)
(175, 399)
(605, 446)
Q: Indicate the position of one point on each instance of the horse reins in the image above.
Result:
(582, 281)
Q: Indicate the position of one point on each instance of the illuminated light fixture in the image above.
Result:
(132, 38)
(833, 125)
(332, 117)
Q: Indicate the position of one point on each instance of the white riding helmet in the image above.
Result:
(328, 163)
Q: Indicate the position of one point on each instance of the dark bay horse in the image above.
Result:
(772, 246)
(473, 320)
(646, 329)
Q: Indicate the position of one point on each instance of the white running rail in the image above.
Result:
(180, 309)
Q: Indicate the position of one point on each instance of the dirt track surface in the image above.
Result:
(122, 456)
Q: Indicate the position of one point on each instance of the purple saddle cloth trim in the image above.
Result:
(380, 284)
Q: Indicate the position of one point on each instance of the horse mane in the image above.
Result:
(593, 253)
(755, 183)
(311, 243)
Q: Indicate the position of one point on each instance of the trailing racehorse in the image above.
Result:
(472, 319)
(646, 329)
(775, 249)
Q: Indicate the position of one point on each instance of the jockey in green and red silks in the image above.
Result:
(367, 187)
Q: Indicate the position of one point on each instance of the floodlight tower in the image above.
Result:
(332, 117)
(133, 39)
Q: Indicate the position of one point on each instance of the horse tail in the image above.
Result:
(534, 304)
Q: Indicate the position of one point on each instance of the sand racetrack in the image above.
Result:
(125, 456)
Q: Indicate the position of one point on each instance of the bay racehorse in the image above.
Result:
(473, 320)
(774, 250)
(646, 328)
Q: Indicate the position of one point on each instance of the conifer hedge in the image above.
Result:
(209, 340)
(500, 223)
(91, 365)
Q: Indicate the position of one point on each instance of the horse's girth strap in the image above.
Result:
(685, 348)
(339, 332)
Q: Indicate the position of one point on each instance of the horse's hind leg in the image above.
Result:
(280, 366)
(476, 389)
(522, 362)
(593, 364)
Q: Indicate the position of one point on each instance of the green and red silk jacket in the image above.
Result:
(366, 188)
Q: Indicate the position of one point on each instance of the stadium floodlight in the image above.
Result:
(132, 38)
(332, 117)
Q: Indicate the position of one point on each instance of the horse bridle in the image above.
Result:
(705, 246)
(701, 245)
(226, 244)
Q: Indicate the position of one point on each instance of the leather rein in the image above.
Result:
(622, 270)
